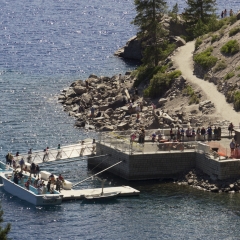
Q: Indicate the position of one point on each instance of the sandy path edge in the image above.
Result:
(183, 59)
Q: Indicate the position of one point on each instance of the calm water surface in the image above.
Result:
(44, 46)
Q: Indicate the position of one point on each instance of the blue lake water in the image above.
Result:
(44, 46)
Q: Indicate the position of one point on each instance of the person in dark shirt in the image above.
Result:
(15, 179)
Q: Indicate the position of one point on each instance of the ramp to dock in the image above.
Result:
(79, 194)
(65, 152)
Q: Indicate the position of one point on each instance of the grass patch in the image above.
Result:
(190, 92)
(238, 75)
(160, 83)
(215, 38)
(220, 66)
(233, 31)
(237, 68)
(231, 47)
(236, 100)
(198, 43)
(205, 59)
(229, 75)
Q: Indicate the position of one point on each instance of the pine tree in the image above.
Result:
(4, 231)
(199, 11)
(174, 12)
(150, 31)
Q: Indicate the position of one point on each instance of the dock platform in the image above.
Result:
(79, 193)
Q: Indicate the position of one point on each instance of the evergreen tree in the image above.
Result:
(150, 31)
(174, 12)
(4, 231)
(199, 11)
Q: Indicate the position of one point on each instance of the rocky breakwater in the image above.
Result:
(201, 181)
(115, 104)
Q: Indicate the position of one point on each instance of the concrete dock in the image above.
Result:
(79, 193)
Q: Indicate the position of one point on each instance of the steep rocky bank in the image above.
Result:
(116, 103)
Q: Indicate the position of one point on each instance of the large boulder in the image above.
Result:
(118, 102)
(123, 126)
(161, 102)
(107, 128)
(70, 93)
(109, 111)
(87, 98)
(131, 50)
(79, 90)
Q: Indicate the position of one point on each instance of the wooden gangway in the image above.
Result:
(65, 152)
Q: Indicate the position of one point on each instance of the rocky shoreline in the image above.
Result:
(118, 106)
(197, 179)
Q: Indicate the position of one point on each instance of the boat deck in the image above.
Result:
(79, 193)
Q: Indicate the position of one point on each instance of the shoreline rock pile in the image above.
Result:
(111, 97)
(201, 181)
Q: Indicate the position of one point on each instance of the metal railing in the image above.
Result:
(66, 152)
(124, 144)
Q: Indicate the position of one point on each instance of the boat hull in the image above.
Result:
(29, 196)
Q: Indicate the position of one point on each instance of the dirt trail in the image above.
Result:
(184, 61)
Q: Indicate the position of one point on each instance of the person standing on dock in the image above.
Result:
(82, 148)
(59, 153)
(232, 147)
(45, 155)
(93, 146)
(21, 163)
(32, 169)
(29, 158)
(58, 185)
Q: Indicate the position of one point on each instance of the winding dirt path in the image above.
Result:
(184, 61)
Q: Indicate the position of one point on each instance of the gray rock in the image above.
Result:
(107, 128)
(87, 98)
(215, 189)
(161, 102)
(103, 107)
(131, 50)
(75, 109)
(123, 126)
(80, 123)
(70, 93)
(190, 181)
(238, 15)
(62, 97)
(109, 111)
(79, 90)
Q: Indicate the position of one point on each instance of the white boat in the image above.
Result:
(101, 196)
(30, 195)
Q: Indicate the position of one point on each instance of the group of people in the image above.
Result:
(224, 13)
(39, 184)
(140, 134)
(52, 181)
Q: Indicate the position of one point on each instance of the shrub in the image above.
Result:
(236, 101)
(143, 73)
(190, 92)
(198, 43)
(229, 75)
(231, 47)
(237, 68)
(234, 31)
(215, 38)
(220, 66)
(232, 19)
(205, 59)
(238, 75)
(160, 83)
